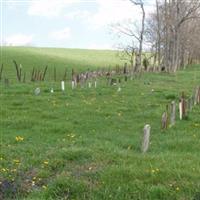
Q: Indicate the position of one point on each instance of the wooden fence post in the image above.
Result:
(146, 137)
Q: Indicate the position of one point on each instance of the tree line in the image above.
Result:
(171, 32)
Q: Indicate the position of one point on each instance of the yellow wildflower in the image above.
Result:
(46, 162)
(16, 161)
(44, 187)
(19, 138)
(3, 169)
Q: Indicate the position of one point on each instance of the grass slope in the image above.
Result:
(85, 144)
(79, 59)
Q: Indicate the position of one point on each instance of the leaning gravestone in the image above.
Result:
(37, 91)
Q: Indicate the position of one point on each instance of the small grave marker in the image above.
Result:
(62, 85)
(73, 85)
(164, 120)
(89, 84)
(37, 91)
(180, 110)
(173, 113)
(119, 89)
(146, 137)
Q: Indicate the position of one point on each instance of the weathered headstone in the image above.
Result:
(173, 113)
(183, 107)
(119, 89)
(62, 85)
(95, 84)
(180, 109)
(164, 120)
(89, 84)
(196, 96)
(37, 91)
(73, 85)
(146, 137)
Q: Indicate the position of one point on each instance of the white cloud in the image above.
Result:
(49, 8)
(78, 14)
(61, 34)
(113, 11)
(100, 46)
(19, 40)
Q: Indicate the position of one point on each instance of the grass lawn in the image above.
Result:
(85, 143)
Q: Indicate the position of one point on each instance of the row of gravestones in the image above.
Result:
(169, 116)
(90, 85)
(37, 90)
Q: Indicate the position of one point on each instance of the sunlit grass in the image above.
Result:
(85, 143)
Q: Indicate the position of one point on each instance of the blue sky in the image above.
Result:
(65, 23)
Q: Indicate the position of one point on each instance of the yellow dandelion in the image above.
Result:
(44, 187)
(46, 162)
(3, 170)
(153, 171)
(72, 136)
(129, 147)
(177, 188)
(157, 170)
(16, 161)
(1, 158)
(19, 138)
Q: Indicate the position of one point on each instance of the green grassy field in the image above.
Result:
(85, 143)
(78, 59)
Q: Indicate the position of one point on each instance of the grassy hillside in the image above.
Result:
(85, 143)
(79, 59)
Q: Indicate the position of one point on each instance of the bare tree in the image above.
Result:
(176, 27)
(135, 48)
